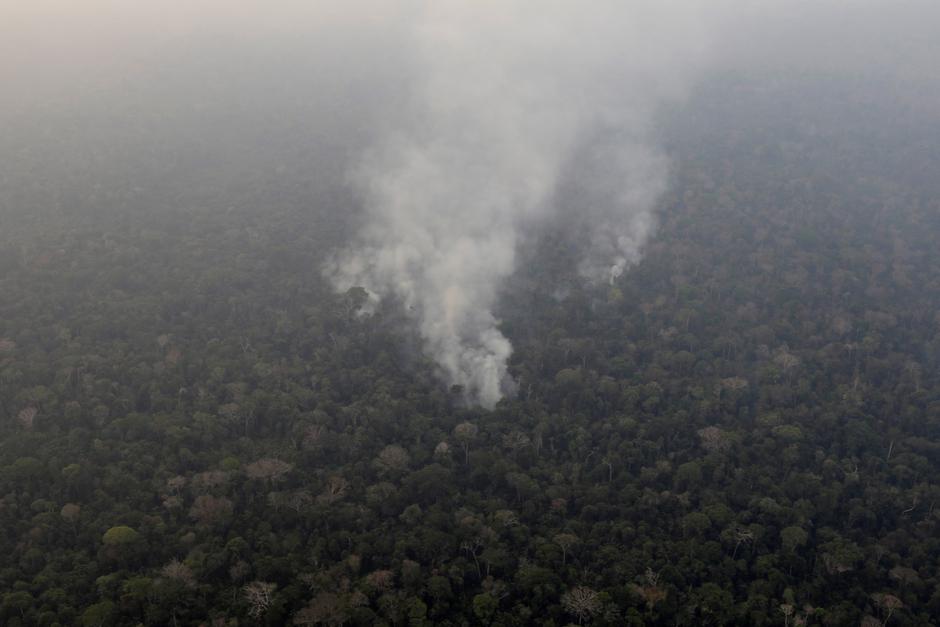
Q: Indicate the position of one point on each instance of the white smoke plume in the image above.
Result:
(510, 98)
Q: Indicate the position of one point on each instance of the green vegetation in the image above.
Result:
(745, 429)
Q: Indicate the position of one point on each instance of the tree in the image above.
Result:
(650, 591)
(210, 510)
(465, 433)
(326, 608)
(516, 441)
(99, 615)
(713, 604)
(741, 536)
(793, 538)
(484, 607)
(334, 490)
(179, 572)
(210, 480)
(795, 423)
(258, 595)
(392, 460)
(269, 470)
(714, 440)
(26, 417)
(71, 512)
(582, 602)
(122, 542)
(888, 604)
(566, 541)
(20, 601)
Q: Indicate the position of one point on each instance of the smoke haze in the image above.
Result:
(456, 123)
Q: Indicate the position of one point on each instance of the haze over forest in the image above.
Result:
(470, 313)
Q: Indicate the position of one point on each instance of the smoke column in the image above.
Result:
(511, 101)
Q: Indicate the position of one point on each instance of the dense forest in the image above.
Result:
(196, 429)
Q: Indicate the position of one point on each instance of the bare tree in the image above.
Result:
(334, 490)
(176, 484)
(442, 450)
(180, 572)
(888, 604)
(786, 360)
(269, 470)
(608, 460)
(258, 594)
(474, 548)
(312, 436)
(26, 416)
(714, 440)
(734, 384)
(381, 580)
(741, 536)
(393, 459)
(581, 602)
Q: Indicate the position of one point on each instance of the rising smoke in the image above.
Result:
(508, 97)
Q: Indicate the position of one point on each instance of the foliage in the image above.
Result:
(744, 429)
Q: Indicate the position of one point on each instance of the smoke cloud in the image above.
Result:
(510, 98)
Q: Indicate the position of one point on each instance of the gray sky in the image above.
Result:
(135, 74)
(60, 55)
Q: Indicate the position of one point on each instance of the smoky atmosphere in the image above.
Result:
(463, 313)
